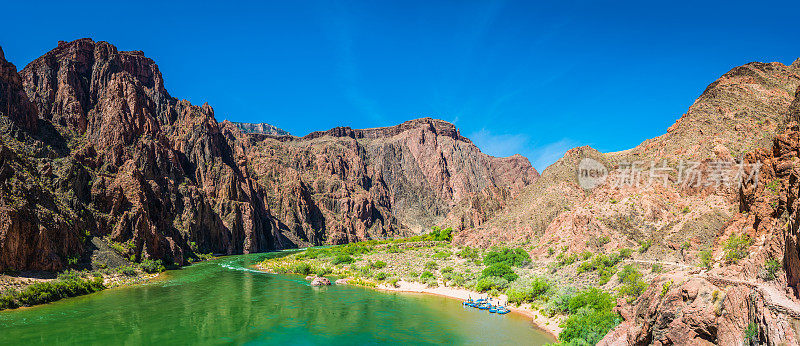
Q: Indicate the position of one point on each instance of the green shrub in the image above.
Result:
(458, 279)
(301, 268)
(7, 301)
(343, 259)
(432, 265)
(500, 270)
(126, 270)
(604, 265)
(665, 288)
(379, 265)
(380, 276)
(736, 247)
(152, 266)
(45, 292)
(490, 282)
(447, 269)
(632, 284)
(705, 258)
(558, 301)
(519, 293)
(393, 282)
(657, 268)
(322, 271)
(592, 298)
(442, 255)
(565, 259)
(426, 275)
(751, 334)
(771, 268)
(511, 257)
(644, 245)
(588, 326)
(440, 234)
(468, 253)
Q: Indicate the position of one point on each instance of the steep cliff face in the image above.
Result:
(94, 147)
(718, 305)
(344, 184)
(130, 163)
(741, 111)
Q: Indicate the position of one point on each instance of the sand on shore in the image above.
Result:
(550, 325)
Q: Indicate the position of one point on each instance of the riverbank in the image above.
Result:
(549, 325)
(32, 289)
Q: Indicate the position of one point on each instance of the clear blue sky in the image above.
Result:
(516, 77)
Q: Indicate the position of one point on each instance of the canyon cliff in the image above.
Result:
(95, 148)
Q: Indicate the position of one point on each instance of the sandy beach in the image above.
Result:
(546, 324)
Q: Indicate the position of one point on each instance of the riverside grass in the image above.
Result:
(50, 291)
(494, 272)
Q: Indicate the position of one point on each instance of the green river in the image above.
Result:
(223, 301)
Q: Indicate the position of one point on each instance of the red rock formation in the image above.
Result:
(127, 162)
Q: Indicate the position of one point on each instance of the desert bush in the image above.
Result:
(524, 292)
(440, 234)
(301, 268)
(431, 265)
(379, 265)
(45, 292)
(152, 266)
(490, 282)
(500, 270)
(657, 268)
(665, 288)
(604, 265)
(441, 255)
(736, 247)
(588, 326)
(771, 268)
(126, 270)
(380, 276)
(511, 257)
(468, 253)
(644, 245)
(7, 301)
(393, 282)
(705, 258)
(342, 259)
(592, 298)
(426, 275)
(447, 269)
(632, 284)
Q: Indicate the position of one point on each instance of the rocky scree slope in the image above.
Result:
(741, 111)
(717, 306)
(94, 147)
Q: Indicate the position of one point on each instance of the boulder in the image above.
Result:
(320, 281)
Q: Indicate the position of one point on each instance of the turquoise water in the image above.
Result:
(222, 302)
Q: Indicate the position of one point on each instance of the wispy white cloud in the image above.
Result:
(503, 145)
(500, 145)
(543, 156)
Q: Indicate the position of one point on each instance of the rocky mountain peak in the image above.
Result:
(434, 126)
(261, 128)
